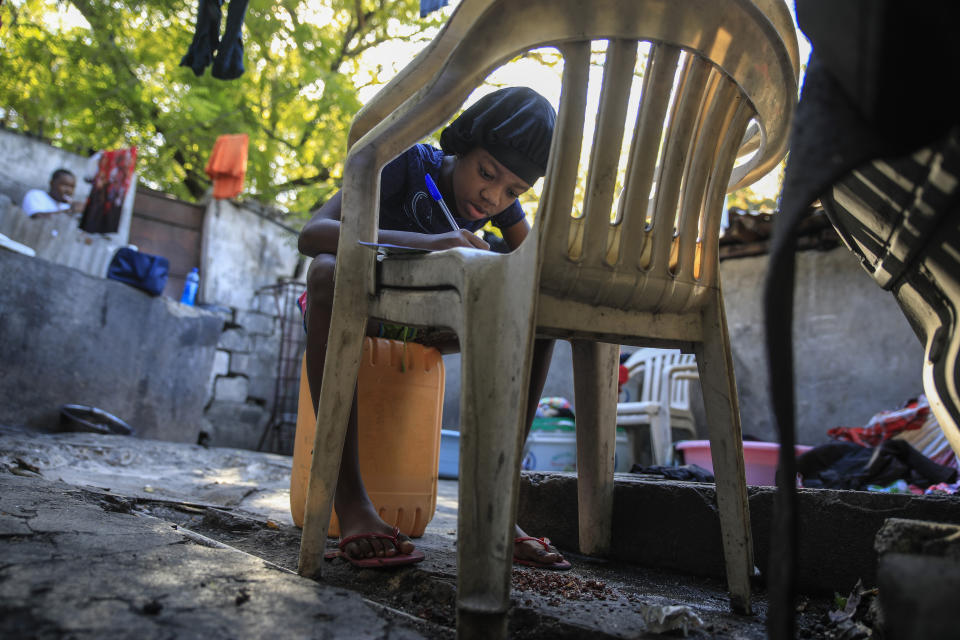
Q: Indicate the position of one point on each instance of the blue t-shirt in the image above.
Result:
(406, 205)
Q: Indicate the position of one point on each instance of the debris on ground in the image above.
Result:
(558, 587)
(847, 621)
(665, 619)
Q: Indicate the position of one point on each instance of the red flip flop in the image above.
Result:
(377, 561)
(562, 565)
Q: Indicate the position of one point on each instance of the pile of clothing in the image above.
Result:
(902, 451)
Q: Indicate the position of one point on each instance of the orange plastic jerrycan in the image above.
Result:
(400, 406)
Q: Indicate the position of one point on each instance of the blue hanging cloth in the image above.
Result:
(429, 6)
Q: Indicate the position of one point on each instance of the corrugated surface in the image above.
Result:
(58, 240)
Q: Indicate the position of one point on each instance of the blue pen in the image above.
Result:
(435, 194)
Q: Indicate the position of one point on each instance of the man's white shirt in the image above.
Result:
(39, 201)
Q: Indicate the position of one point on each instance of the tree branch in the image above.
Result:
(323, 175)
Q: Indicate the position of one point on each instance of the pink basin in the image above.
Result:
(759, 458)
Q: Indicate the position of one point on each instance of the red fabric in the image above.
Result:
(885, 424)
(101, 214)
(227, 165)
(624, 376)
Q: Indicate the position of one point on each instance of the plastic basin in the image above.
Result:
(552, 446)
(759, 458)
(78, 417)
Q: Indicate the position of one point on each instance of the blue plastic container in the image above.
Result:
(449, 468)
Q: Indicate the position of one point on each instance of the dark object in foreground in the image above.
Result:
(77, 417)
(691, 472)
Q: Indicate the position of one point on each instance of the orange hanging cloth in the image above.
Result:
(228, 165)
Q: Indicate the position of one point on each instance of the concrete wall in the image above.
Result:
(855, 353)
(243, 250)
(26, 163)
(70, 338)
(244, 254)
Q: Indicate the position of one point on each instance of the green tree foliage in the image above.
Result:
(748, 199)
(115, 81)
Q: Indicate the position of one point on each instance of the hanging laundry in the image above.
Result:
(110, 184)
(428, 6)
(228, 62)
(227, 165)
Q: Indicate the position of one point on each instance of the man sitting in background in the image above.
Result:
(38, 203)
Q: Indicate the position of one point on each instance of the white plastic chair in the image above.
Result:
(584, 278)
(660, 382)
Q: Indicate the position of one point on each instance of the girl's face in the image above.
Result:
(482, 187)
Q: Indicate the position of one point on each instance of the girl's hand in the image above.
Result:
(459, 238)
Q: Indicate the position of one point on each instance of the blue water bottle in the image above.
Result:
(189, 295)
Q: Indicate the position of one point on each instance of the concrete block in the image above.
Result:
(239, 364)
(221, 363)
(265, 346)
(918, 594)
(230, 389)
(99, 342)
(225, 313)
(265, 302)
(674, 525)
(257, 323)
(918, 575)
(221, 367)
(262, 389)
(264, 357)
(235, 340)
(236, 424)
(898, 535)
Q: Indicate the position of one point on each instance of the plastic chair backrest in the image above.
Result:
(724, 58)
(649, 364)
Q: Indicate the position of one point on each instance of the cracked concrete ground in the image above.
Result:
(110, 536)
(73, 566)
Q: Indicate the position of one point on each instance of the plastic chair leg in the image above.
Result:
(595, 388)
(344, 350)
(941, 364)
(496, 342)
(715, 363)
